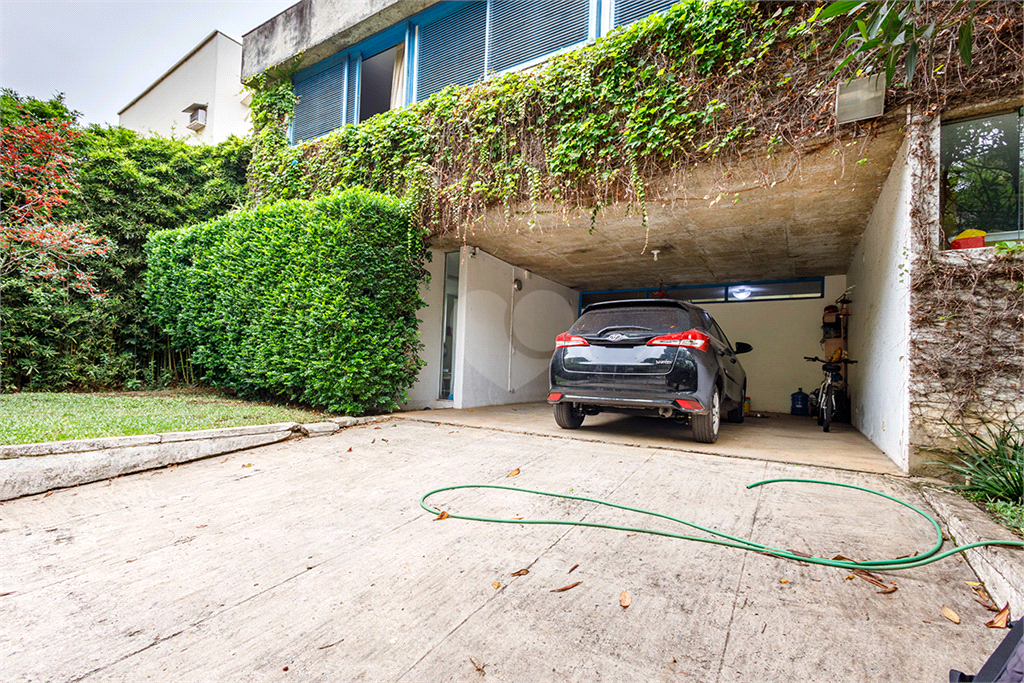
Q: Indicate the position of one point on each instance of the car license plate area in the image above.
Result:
(620, 360)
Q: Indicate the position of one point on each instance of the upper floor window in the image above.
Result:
(980, 181)
(450, 43)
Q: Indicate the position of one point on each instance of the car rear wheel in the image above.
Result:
(568, 416)
(705, 427)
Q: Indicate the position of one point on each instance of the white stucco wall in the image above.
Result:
(880, 318)
(230, 116)
(425, 392)
(210, 75)
(782, 333)
(505, 338)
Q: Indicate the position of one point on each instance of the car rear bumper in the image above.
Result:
(683, 403)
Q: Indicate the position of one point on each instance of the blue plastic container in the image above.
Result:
(799, 403)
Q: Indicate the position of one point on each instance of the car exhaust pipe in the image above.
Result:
(665, 412)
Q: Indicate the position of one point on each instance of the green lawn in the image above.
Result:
(34, 417)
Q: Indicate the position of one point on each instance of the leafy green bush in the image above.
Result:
(991, 463)
(128, 186)
(308, 300)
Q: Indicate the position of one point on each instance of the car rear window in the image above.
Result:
(632, 321)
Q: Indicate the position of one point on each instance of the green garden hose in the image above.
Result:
(719, 538)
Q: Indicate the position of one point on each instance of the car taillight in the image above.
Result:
(692, 339)
(565, 339)
(687, 404)
(554, 396)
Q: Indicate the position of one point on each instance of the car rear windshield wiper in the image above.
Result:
(623, 327)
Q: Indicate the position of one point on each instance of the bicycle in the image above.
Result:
(832, 383)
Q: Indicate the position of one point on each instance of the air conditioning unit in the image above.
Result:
(196, 116)
(197, 120)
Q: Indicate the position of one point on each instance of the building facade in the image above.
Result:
(765, 267)
(199, 99)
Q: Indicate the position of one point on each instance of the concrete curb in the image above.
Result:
(28, 469)
(1001, 569)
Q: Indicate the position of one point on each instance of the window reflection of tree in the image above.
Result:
(980, 175)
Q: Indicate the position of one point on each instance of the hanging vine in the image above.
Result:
(702, 82)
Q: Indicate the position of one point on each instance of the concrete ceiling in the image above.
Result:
(781, 217)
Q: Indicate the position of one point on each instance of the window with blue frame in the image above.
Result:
(768, 290)
(451, 43)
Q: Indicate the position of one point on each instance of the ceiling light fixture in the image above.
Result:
(740, 293)
(655, 252)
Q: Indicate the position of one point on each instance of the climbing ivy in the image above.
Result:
(591, 128)
(586, 129)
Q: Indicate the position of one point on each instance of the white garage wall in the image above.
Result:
(782, 333)
(505, 338)
(427, 386)
(880, 320)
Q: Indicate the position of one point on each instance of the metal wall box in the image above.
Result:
(861, 98)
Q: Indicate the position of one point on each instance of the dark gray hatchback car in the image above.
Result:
(657, 357)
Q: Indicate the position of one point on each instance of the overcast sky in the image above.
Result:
(101, 54)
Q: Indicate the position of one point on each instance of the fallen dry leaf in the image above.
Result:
(797, 553)
(565, 588)
(349, 450)
(7, 593)
(891, 589)
(376, 427)
(513, 473)
(247, 465)
(841, 558)
(373, 441)
(950, 614)
(783, 581)
(987, 605)
(50, 493)
(443, 515)
(850, 577)
(521, 572)
(517, 518)
(572, 569)
(972, 583)
(479, 667)
(869, 577)
(496, 585)
(1000, 620)
(625, 599)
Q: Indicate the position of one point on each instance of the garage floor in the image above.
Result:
(310, 560)
(775, 437)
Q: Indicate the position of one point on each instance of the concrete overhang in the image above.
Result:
(780, 216)
(312, 30)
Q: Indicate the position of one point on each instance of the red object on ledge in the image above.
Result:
(968, 243)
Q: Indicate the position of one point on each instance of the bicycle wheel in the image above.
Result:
(828, 408)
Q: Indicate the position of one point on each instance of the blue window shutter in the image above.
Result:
(521, 31)
(352, 91)
(628, 11)
(318, 109)
(451, 50)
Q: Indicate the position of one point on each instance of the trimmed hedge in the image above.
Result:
(310, 300)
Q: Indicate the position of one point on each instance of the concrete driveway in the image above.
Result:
(767, 436)
(311, 560)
